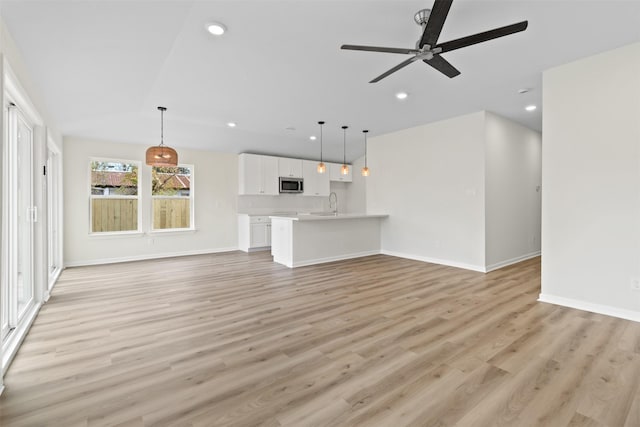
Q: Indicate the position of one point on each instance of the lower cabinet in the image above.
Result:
(254, 232)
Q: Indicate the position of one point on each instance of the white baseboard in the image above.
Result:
(449, 263)
(82, 263)
(588, 306)
(515, 260)
(12, 342)
(331, 259)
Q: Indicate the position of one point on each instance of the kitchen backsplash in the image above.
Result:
(295, 202)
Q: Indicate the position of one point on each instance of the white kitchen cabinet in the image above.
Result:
(315, 184)
(257, 175)
(254, 232)
(335, 173)
(289, 168)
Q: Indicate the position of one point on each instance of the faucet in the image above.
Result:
(333, 201)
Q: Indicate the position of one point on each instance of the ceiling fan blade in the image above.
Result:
(379, 49)
(394, 69)
(442, 65)
(436, 21)
(482, 37)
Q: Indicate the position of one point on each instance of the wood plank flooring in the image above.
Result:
(236, 340)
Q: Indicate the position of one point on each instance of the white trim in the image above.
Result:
(15, 338)
(191, 197)
(146, 257)
(137, 197)
(329, 259)
(511, 261)
(115, 234)
(607, 310)
(53, 279)
(448, 263)
(256, 249)
(19, 96)
(160, 232)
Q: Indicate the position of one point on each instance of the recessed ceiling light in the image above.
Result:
(402, 95)
(216, 28)
(312, 137)
(530, 107)
(231, 124)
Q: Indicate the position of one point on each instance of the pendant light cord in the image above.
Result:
(320, 123)
(344, 145)
(365, 147)
(162, 110)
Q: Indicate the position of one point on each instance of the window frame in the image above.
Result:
(137, 197)
(191, 197)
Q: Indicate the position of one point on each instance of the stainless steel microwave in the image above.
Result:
(291, 185)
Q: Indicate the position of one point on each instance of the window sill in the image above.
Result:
(172, 231)
(116, 234)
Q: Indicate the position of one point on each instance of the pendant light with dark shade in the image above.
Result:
(322, 168)
(344, 170)
(161, 155)
(365, 169)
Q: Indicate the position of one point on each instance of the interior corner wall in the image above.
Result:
(430, 180)
(215, 203)
(513, 156)
(591, 183)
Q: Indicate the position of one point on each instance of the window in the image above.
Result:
(115, 196)
(172, 195)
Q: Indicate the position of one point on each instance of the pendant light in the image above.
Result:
(161, 155)
(322, 168)
(344, 170)
(365, 169)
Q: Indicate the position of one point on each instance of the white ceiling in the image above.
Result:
(104, 66)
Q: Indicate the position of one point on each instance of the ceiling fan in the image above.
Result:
(427, 48)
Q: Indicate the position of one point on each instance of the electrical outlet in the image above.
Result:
(635, 284)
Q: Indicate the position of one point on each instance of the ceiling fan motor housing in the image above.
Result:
(422, 16)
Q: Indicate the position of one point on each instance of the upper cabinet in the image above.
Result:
(335, 172)
(315, 184)
(257, 175)
(289, 168)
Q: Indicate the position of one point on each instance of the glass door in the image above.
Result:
(26, 216)
(20, 215)
(53, 170)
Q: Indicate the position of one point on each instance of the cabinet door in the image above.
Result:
(290, 168)
(309, 174)
(335, 170)
(323, 187)
(268, 235)
(270, 183)
(259, 235)
(250, 174)
(315, 184)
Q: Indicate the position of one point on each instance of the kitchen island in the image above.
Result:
(307, 239)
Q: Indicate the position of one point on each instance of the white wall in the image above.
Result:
(430, 180)
(513, 155)
(31, 101)
(355, 193)
(591, 183)
(216, 186)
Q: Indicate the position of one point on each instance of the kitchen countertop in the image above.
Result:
(326, 216)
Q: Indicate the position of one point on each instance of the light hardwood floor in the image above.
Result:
(236, 340)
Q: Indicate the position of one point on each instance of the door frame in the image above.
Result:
(13, 92)
(54, 213)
